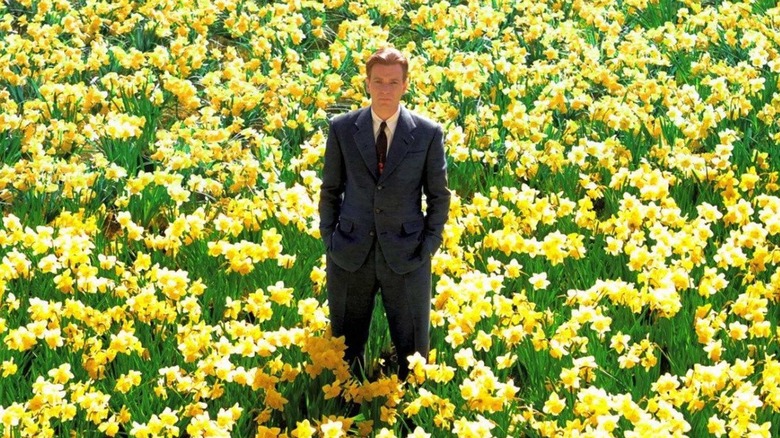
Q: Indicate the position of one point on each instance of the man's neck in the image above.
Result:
(385, 114)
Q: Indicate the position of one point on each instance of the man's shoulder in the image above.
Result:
(347, 118)
(422, 121)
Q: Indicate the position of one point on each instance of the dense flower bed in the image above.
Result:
(609, 268)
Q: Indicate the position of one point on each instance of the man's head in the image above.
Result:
(386, 80)
(387, 56)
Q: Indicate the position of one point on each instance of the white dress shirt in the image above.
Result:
(392, 122)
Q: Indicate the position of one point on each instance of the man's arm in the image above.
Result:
(332, 186)
(437, 195)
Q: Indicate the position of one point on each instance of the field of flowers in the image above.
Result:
(609, 267)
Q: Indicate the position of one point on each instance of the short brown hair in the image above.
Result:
(387, 56)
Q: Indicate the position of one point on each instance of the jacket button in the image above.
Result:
(378, 210)
(371, 233)
(380, 187)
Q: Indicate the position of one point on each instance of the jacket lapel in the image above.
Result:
(364, 139)
(402, 140)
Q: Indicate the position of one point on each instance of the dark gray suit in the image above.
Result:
(376, 234)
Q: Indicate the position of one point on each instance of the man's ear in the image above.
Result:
(365, 84)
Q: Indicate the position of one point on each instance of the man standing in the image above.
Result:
(379, 161)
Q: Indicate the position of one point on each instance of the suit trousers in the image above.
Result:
(406, 299)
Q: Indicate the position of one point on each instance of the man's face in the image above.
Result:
(386, 85)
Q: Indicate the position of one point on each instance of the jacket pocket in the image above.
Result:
(412, 227)
(346, 225)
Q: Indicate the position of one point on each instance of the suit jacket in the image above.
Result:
(357, 205)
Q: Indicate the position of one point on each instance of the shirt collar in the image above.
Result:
(392, 121)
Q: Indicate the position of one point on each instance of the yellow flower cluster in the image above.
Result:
(608, 268)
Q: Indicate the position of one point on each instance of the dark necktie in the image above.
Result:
(381, 147)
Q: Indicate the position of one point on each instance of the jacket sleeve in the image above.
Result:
(333, 181)
(437, 194)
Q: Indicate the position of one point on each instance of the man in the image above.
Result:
(379, 161)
